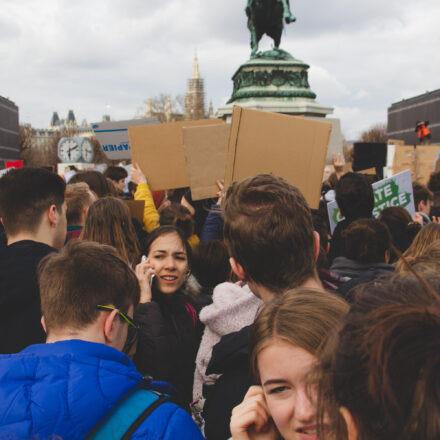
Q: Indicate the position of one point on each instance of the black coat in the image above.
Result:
(230, 358)
(337, 242)
(169, 338)
(20, 307)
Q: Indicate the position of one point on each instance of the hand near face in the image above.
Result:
(418, 219)
(144, 272)
(338, 161)
(251, 419)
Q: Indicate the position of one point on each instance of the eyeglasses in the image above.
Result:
(133, 328)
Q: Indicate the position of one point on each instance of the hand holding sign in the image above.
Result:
(136, 175)
(338, 164)
(221, 192)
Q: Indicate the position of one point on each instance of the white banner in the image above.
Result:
(113, 136)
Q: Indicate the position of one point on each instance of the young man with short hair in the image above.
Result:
(423, 199)
(355, 198)
(273, 247)
(33, 214)
(80, 382)
(78, 200)
(117, 175)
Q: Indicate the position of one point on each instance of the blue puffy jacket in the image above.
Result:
(64, 389)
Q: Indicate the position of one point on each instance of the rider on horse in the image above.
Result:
(266, 17)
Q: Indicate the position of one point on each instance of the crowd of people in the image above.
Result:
(237, 317)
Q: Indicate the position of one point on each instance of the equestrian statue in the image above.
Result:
(266, 17)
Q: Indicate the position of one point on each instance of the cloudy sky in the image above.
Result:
(58, 55)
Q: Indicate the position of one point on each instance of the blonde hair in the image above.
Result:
(109, 222)
(426, 236)
(77, 196)
(302, 317)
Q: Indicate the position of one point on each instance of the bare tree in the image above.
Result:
(159, 106)
(100, 157)
(376, 133)
(26, 135)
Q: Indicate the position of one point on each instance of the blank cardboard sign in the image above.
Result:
(206, 150)
(425, 162)
(404, 159)
(158, 149)
(136, 208)
(291, 147)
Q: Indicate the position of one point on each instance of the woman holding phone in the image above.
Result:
(169, 331)
(287, 338)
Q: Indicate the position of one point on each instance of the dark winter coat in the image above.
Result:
(356, 273)
(337, 241)
(169, 338)
(230, 358)
(20, 307)
(213, 226)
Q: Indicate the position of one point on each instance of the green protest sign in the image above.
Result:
(394, 191)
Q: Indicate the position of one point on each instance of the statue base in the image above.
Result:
(274, 81)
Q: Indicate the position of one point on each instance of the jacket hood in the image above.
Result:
(233, 307)
(344, 267)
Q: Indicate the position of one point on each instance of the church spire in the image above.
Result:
(195, 96)
(149, 108)
(195, 71)
(211, 110)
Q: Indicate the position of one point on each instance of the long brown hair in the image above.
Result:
(384, 364)
(427, 235)
(108, 222)
(302, 317)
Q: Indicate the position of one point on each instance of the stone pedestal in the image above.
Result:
(274, 81)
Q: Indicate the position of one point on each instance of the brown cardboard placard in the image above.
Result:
(404, 159)
(291, 147)
(426, 162)
(158, 149)
(136, 208)
(206, 150)
(397, 142)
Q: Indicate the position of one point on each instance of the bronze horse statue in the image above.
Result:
(266, 17)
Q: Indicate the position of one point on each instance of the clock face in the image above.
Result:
(87, 150)
(69, 151)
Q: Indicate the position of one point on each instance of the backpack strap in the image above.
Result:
(192, 312)
(128, 415)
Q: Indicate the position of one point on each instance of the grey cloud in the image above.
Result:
(83, 54)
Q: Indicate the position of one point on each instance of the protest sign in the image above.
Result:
(113, 136)
(404, 159)
(158, 149)
(394, 191)
(426, 159)
(206, 149)
(136, 208)
(14, 164)
(336, 141)
(368, 155)
(291, 147)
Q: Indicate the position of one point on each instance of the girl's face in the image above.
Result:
(283, 369)
(168, 257)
